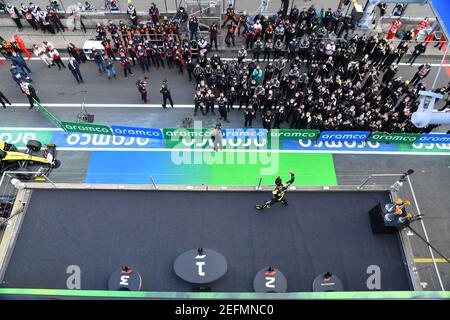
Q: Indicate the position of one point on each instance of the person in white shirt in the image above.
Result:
(258, 28)
(14, 14)
(41, 52)
(216, 136)
(28, 89)
(48, 46)
(329, 49)
(57, 58)
(203, 45)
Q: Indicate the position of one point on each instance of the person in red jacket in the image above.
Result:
(108, 48)
(230, 37)
(396, 24)
(422, 25)
(142, 59)
(125, 62)
(76, 53)
(124, 31)
(154, 13)
(142, 88)
(22, 46)
(179, 61)
(101, 31)
(57, 58)
(230, 15)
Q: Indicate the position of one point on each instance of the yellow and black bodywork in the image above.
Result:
(32, 160)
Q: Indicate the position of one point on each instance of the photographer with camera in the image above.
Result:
(166, 93)
(142, 88)
(193, 28)
(216, 137)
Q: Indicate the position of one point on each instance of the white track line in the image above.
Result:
(105, 105)
(230, 59)
(426, 235)
(28, 128)
(111, 105)
(250, 151)
(268, 151)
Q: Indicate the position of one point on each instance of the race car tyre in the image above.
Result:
(56, 164)
(24, 176)
(10, 147)
(11, 167)
(34, 145)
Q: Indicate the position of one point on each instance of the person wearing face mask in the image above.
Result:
(26, 12)
(222, 104)
(74, 68)
(14, 14)
(165, 91)
(267, 120)
(131, 11)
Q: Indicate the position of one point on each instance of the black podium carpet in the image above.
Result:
(100, 231)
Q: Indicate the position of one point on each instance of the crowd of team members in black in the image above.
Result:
(347, 84)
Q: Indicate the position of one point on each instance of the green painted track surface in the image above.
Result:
(227, 168)
(310, 169)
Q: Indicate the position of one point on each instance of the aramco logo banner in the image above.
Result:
(232, 139)
(408, 138)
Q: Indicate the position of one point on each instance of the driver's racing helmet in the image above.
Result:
(278, 181)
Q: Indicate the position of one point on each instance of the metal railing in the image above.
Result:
(17, 175)
(406, 191)
(351, 181)
(371, 178)
(105, 6)
(10, 184)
